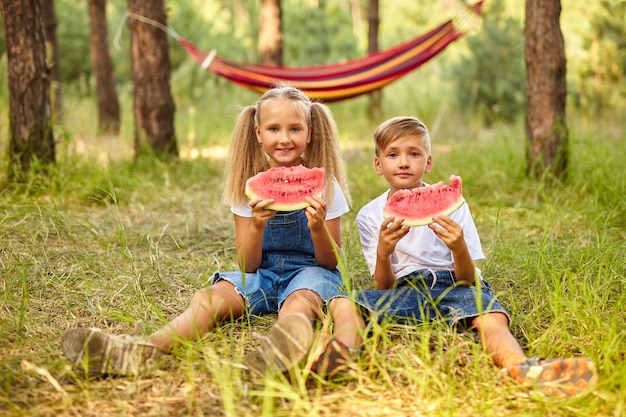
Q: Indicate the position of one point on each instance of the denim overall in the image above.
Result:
(288, 265)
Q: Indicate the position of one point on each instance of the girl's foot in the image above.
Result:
(286, 344)
(103, 354)
(335, 358)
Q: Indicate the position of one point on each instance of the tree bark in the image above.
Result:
(373, 19)
(271, 33)
(108, 103)
(546, 90)
(50, 31)
(30, 128)
(153, 105)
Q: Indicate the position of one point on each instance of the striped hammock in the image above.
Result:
(343, 80)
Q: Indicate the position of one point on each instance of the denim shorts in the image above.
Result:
(266, 289)
(430, 295)
(288, 265)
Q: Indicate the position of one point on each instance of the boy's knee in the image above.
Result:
(491, 321)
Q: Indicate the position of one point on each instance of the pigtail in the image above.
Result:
(245, 158)
(324, 150)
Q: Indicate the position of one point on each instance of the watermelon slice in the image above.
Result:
(418, 206)
(287, 186)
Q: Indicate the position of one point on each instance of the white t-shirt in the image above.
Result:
(420, 248)
(336, 208)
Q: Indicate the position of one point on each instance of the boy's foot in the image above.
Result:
(556, 377)
(335, 358)
(287, 343)
(100, 353)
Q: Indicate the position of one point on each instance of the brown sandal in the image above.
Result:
(335, 358)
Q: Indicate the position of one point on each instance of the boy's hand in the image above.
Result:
(391, 231)
(449, 231)
(260, 214)
(315, 213)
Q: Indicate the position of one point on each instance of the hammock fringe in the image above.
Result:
(206, 62)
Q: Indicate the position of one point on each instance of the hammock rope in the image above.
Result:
(335, 82)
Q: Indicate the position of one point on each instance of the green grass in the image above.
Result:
(105, 242)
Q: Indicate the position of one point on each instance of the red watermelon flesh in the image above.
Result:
(287, 186)
(419, 205)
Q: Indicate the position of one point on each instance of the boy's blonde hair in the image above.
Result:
(247, 158)
(400, 127)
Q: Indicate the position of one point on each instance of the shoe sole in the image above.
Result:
(558, 377)
(287, 343)
(99, 353)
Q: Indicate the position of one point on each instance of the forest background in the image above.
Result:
(482, 74)
(107, 241)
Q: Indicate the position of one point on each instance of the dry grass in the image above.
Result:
(107, 246)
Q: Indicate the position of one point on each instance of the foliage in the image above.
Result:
(601, 84)
(408, 19)
(484, 73)
(229, 27)
(73, 38)
(490, 78)
(306, 29)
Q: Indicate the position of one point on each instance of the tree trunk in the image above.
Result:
(50, 31)
(271, 33)
(108, 104)
(153, 104)
(546, 90)
(30, 128)
(375, 111)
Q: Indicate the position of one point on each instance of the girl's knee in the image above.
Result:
(200, 297)
(305, 296)
(341, 306)
(303, 301)
(345, 311)
(216, 295)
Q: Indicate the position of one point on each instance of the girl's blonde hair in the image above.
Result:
(247, 158)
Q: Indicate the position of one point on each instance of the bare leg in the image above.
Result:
(332, 355)
(100, 353)
(348, 324)
(560, 377)
(302, 301)
(290, 338)
(496, 338)
(207, 308)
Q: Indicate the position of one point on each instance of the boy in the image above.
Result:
(412, 267)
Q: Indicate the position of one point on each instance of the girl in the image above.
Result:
(296, 277)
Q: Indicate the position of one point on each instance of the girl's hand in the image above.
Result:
(391, 231)
(316, 213)
(260, 214)
(449, 231)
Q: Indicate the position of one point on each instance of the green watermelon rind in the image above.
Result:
(283, 206)
(426, 220)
